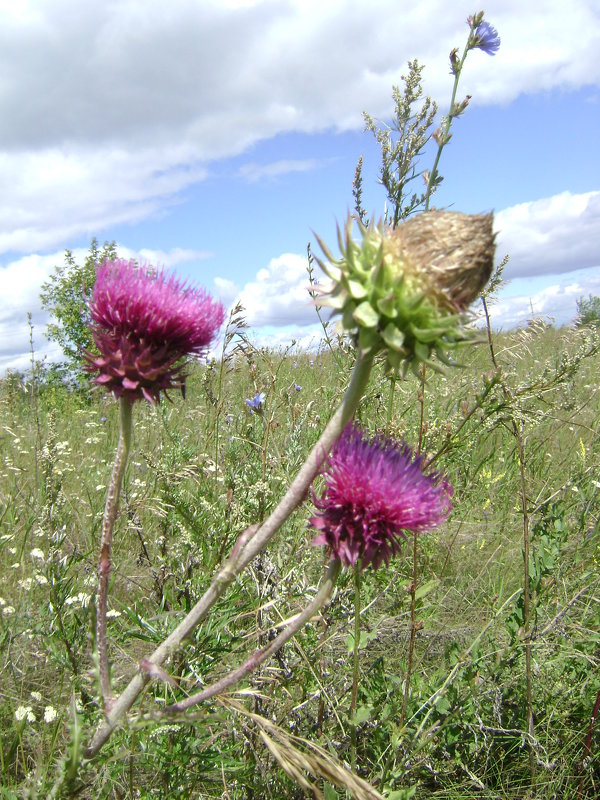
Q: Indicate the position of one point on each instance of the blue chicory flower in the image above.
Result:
(486, 38)
(256, 403)
(297, 388)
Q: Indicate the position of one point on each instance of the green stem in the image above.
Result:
(390, 408)
(105, 561)
(444, 137)
(413, 629)
(355, 664)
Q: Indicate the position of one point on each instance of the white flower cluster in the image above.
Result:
(5, 609)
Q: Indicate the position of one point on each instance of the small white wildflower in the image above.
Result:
(37, 696)
(49, 714)
(2, 602)
(37, 555)
(16, 565)
(26, 583)
(100, 487)
(81, 599)
(24, 712)
(7, 611)
(113, 613)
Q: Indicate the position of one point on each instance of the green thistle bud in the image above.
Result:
(405, 291)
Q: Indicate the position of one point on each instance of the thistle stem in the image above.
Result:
(270, 649)
(355, 664)
(244, 551)
(105, 561)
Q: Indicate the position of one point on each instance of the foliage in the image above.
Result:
(188, 494)
(402, 144)
(64, 295)
(588, 311)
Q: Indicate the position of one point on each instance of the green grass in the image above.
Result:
(204, 468)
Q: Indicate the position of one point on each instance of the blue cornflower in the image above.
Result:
(297, 388)
(486, 38)
(256, 403)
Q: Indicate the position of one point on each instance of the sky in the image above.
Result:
(216, 137)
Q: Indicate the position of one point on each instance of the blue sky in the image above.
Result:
(214, 137)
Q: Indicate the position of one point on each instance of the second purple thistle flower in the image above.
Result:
(144, 324)
(375, 492)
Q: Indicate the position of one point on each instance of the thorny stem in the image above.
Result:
(105, 561)
(244, 551)
(355, 663)
(268, 650)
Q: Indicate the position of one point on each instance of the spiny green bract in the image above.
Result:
(393, 299)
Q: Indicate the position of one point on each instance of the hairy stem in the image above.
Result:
(244, 551)
(105, 561)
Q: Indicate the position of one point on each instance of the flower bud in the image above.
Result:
(404, 290)
(454, 61)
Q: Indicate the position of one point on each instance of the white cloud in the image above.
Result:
(255, 172)
(555, 235)
(108, 112)
(51, 196)
(279, 294)
(556, 303)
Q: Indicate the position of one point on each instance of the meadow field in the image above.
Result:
(478, 668)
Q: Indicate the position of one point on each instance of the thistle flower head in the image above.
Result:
(144, 324)
(375, 492)
(404, 290)
(486, 38)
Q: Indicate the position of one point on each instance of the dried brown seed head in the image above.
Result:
(455, 250)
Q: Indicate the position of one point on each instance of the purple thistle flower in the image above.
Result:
(144, 324)
(376, 490)
(256, 402)
(486, 38)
